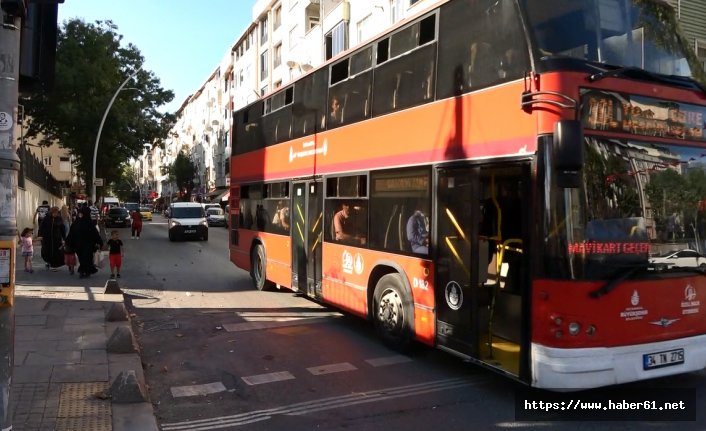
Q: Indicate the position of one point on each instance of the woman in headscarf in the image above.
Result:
(85, 240)
(53, 235)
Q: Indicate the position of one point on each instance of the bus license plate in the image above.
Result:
(662, 359)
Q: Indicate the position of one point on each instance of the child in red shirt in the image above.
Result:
(116, 253)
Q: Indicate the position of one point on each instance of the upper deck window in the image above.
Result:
(625, 33)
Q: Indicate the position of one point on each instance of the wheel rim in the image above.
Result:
(390, 314)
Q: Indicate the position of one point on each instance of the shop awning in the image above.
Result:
(217, 195)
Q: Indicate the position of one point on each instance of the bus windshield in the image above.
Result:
(641, 204)
(621, 33)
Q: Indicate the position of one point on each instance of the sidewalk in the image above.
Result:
(62, 365)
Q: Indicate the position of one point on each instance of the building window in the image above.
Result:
(277, 57)
(412, 2)
(263, 65)
(47, 161)
(336, 40)
(64, 164)
(396, 11)
(312, 16)
(277, 18)
(364, 28)
(263, 31)
(293, 37)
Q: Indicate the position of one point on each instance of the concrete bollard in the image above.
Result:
(117, 313)
(121, 341)
(126, 389)
(112, 287)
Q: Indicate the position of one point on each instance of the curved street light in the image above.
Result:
(100, 129)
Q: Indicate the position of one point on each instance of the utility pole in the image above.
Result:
(12, 14)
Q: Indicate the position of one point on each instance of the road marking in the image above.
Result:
(388, 360)
(331, 368)
(252, 326)
(193, 390)
(314, 406)
(268, 378)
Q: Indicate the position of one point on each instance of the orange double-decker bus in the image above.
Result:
(512, 181)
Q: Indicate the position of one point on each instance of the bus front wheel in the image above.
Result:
(394, 312)
(257, 268)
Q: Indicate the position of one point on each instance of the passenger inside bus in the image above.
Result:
(418, 232)
(343, 228)
(335, 115)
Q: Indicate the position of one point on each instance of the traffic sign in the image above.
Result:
(98, 182)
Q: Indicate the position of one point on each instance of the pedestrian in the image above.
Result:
(85, 240)
(95, 213)
(69, 257)
(27, 248)
(40, 213)
(65, 218)
(53, 235)
(136, 224)
(115, 245)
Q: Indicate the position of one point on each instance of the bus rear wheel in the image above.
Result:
(258, 272)
(394, 312)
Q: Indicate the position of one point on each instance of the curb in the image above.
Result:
(130, 416)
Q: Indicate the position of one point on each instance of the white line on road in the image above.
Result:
(322, 404)
(331, 368)
(205, 389)
(388, 360)
(268, 378)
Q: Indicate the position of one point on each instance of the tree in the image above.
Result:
(182, 171)
(127, 185)
(91, 64)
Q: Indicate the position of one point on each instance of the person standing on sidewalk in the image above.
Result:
(136, 224)
(95, 213)
(115, 245)
(27, 248)
(85, 240)
(52, 234)
(41, 212)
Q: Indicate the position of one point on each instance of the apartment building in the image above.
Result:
(285, 39)
(692, 18)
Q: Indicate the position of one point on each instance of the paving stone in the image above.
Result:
(80, 373)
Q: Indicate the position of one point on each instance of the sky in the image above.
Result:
(182, 41)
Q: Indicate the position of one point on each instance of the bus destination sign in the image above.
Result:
(639, 115)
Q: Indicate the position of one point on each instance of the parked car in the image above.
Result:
(117, 217)
(187, 219)
(146, 213)
(215, 217)
(685, 258)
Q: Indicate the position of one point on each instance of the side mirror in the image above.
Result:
(568, 152)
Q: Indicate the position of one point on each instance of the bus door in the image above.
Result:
(306, 230)
(482, 218)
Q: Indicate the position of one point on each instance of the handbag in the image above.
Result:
(98, 259)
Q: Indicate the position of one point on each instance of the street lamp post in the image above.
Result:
(100, 129)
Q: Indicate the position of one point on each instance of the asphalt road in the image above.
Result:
(220, 355)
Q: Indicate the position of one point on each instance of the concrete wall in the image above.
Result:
(28, 199)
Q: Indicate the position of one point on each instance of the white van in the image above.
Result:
(187, 219)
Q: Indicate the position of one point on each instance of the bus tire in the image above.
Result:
(393, 314)
(258, 271)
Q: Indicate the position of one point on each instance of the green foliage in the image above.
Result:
(182, 171)
(126, 184)
(91, 64)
